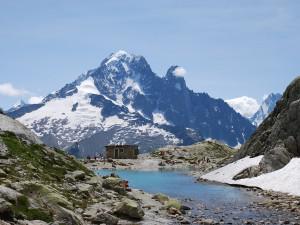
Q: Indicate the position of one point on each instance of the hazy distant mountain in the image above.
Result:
(17, 106)
(123, 101)
(265, 109)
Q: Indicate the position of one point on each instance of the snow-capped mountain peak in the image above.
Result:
(119, 55)
(244, 105)
(123, 101)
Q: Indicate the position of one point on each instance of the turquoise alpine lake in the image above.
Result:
(178, 185)
(223, 203)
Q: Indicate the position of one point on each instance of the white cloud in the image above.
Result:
(246, 106)
(35, 99)
(179, 71)
(8, 89)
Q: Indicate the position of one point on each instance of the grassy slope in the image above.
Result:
(43, 169)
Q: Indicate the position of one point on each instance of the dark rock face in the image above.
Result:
(278, 137)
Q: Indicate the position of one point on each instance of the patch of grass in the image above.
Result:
(46, 168)
(22, 210)
(51, 164)
(173, 203)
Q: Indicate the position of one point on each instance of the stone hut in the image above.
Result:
(122, 151)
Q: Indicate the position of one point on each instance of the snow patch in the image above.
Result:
(134, 85)
(226, 173)
(113, 121)
(58, 113)
(88, 87)
(159, 118)
(286, 179)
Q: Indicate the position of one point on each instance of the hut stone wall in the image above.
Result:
(122, 151)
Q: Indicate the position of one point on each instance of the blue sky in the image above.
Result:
(229, 48)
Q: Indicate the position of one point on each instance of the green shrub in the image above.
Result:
(173, 203)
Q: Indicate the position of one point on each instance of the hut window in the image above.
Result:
(121, 150)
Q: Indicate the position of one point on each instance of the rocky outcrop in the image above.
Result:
(278, 137)
(203, 156)
(11, 125)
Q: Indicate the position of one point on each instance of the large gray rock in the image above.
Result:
(75, 176)
(2, 173)
(6, 212)
(9, 124)
(9, 194)
(129, 208)
(278, 137)
(3, 223)
(275, 159)
(97, 215)
(67, 217)
(114, 183)
(31, 222)
(84, 188)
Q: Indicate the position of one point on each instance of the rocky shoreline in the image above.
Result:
(281, 208)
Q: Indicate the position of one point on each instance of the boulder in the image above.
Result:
(67, 217)
(31, 222)
(174, 211)
(291, 145)
(161, 198)
(75, 176)
(105, 218)
(2, 173)
(9, 194)
(248, 173)
(95, 181)
(114, 183)
(275, 159)
(129, 208)
(97, 215)
(3, 223)
(84, 188)
(6, 211)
